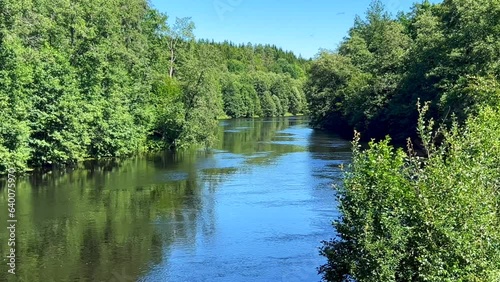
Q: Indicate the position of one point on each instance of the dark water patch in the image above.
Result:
(220, 171)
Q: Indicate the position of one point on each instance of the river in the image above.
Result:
(255, 208)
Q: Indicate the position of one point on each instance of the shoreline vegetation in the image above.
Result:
(428, 77)
(81, 163)
(109, 79)
(225, 117)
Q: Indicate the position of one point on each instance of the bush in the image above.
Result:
(408, 218)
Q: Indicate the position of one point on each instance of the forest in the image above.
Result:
(427, 81)
(446, 54)
(95, 79)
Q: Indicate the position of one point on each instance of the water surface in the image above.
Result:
(255, 208)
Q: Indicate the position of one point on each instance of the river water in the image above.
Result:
(255, 208)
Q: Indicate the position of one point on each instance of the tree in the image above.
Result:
(234, 103)
(200, 81)
(330, 77)
(180, 33)
(269, 108)
(15, 76)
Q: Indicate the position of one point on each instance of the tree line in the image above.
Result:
(93, 79)
(446, 53)
(430, 212)
(260, 80)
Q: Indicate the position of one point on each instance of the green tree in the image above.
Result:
(15, 76)
(235, 104)
(169, 116)
(268, 105)
(200, 81)
(328, 88)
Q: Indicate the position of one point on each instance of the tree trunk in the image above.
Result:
(172, 59)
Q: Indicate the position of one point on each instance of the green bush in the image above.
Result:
(408, 218)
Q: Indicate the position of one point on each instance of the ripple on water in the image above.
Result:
(176, 176)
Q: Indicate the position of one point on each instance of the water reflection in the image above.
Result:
(253, 209)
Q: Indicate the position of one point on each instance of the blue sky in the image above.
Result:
(297, 25)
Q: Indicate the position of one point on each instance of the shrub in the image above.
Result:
(408, 218)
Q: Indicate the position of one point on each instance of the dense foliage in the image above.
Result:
(447, 53)
(405, 217)
(408, 218)
(91, 79)
(260, 80)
